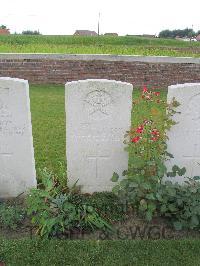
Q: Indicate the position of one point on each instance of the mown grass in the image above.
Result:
(126, 45)
(55, 252)
(48, 122)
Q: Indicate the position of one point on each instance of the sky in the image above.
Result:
(120, 16)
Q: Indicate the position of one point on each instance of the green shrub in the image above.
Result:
(54, 211)
(11, 216)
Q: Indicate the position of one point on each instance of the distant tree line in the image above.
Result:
(31, 32)
(25, 32)
(180, 33)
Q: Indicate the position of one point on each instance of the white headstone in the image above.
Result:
(17, 165)
(98, 115)
(184, 137)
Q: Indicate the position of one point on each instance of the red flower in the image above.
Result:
(145, 89)
(135, 139)
(155, 132)
(154, 138)
(140, 129)
(157, 93)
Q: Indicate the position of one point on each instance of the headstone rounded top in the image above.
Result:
(184, 85)
(108, 81)
(14, 79)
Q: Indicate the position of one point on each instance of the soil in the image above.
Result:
(130, 228)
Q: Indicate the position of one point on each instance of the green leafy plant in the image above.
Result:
(54, 210)
(107, 204)
(180, 203)
(11, 216)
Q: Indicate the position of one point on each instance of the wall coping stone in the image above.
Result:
(99, 57)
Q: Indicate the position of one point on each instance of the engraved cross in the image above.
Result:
(97, 160)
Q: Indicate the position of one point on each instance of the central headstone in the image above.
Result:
(17, 165)
(98, 115)
(184, 137)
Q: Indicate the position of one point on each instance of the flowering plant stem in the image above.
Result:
(146, 144)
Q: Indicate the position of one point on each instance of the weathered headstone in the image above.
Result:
(184, 137)
(98, 115)
(17, 165)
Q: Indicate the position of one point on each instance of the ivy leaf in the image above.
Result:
(182, 171)
(196, 177)
(115, 177)
(149, 216)
(158, 197)
(124, 183)
(171, 174)
(146, 186)
(150, 196)
(125, 172)
(178, 225)
(169, 155)
(116, 189)
(163, 209)
(175, 168)
(194, 221)
(133, 184)
(172, 208)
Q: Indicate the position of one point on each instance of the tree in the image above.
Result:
(3, 27)
(30, 32)
(165, 34)
(180, 33)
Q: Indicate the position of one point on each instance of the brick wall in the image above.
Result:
(138, 70)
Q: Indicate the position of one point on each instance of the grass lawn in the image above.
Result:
(48, 122)
(54, 252)
(124, 45)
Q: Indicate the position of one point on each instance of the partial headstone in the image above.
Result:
(184, 137)
(98, 116)
(17, 165)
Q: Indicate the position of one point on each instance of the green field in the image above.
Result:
(48, 122)
(126, 45)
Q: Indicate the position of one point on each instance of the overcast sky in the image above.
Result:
(121, 16)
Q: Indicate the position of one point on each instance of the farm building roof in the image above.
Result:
(85, 33)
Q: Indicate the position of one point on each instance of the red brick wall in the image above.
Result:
(4, 31)
(43, 69)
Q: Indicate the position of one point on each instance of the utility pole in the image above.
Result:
(98, 23)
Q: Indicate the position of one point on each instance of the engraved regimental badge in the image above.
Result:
(98, 104)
